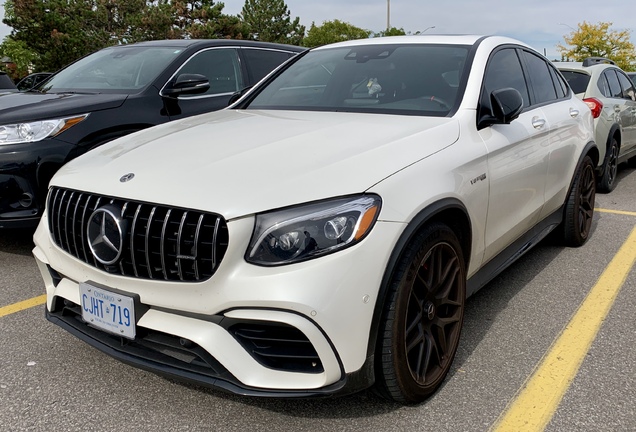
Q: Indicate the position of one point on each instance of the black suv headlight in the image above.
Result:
(311, 230)
(37, 130)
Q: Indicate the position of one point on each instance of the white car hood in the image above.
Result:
(236, 162)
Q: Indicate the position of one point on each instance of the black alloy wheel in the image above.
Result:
(579, 208)
(607, 182)
(423, 316)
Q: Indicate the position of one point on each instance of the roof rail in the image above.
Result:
(597, 60)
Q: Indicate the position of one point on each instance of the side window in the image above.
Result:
(260, 62)
(559, 83)
(614, 85)
(603, 86)
(627, 85)
(220, 66)
(540, 78)
(504, 70)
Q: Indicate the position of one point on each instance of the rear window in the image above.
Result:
(578, 81)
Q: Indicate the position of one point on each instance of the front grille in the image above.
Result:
(158, 242)
(278, 346)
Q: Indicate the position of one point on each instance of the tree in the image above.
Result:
(270, 21)
(393, 31)
(597, 40)
(333, 31)
(20, 55)
(200, 19)
(61, 31)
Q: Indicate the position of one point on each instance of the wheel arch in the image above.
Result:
(590, 150)
(449, 211)
(614, 133)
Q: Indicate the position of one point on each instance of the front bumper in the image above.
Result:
(189, 330)
(25, 171)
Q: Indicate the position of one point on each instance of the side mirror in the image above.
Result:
(506, 105)
(187, 84)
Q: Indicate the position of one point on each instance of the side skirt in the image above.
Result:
(513, 252)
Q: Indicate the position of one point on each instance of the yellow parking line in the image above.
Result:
(540, 396)
(620, 212)
(25, 304)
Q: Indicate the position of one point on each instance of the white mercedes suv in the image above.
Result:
(322, 234)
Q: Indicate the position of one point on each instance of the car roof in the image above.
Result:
(428, 39)
(580, 67)
(187, 43)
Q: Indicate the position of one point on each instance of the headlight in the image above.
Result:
(311, 230)
(36, 130)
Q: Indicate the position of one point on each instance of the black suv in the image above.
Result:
(111, 93)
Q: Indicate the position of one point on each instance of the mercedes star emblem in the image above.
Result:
(105, 232)
(126, 177)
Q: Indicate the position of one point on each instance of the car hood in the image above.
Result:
(27, 106)
(236, 162)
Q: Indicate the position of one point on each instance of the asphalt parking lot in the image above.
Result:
(519, 350)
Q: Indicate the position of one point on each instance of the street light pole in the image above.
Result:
(388, 14)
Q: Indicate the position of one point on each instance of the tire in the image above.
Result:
(579, 207)
(421, 326)
(607, 182)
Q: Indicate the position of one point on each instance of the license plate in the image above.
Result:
(108, 311)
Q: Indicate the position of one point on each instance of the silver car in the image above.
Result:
(611, 96)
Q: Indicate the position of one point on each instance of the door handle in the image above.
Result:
(574, 113)
(537, 122)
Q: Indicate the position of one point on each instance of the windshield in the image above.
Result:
(113, 70)
(395, 79)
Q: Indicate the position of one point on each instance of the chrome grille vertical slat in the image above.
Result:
(121, 263)
(178, 245)
(59, 215)
(215, 239)
(83, 228)
(196, 248)
(79, 199)
(183, 219)
(96, 206)
(132, 240)
(162, 248)
(66, 220)
(52, 204)
(152, 213)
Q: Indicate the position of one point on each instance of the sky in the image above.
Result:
(539, 23)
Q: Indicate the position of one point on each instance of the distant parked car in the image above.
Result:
(111, 93)
(6, 85)
(632, 76)
(611, 96)
(30, 81)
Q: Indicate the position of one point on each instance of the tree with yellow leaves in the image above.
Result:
(597, 40)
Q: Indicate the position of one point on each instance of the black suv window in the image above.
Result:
(614, 85)
(504, 70)
(627, 85)
(220, 66)
(261, 62)
(540, 77)
(578, 81)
